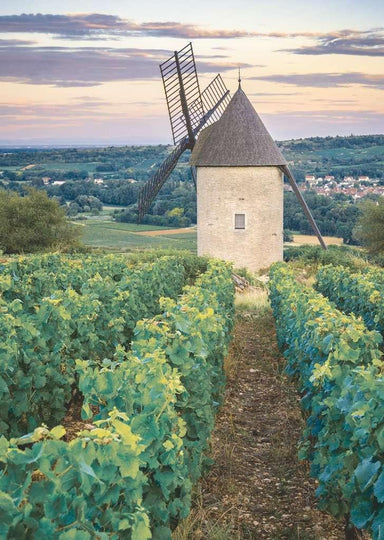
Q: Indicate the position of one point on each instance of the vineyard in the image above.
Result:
(112, 375)
(335, 357)
(140, 348)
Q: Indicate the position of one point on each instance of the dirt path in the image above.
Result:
(28, 167)
(257, 488)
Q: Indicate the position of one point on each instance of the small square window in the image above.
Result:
(239, 221)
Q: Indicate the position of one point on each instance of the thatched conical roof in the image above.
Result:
(238, 139)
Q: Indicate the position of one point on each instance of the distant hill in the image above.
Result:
(336, 156)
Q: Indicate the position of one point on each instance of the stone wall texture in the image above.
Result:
(256, 192)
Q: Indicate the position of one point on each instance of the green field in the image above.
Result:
(90, 167)
(123, 237)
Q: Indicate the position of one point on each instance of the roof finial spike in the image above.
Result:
(239, 79)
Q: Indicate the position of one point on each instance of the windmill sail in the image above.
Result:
(189, 112)
(215, 98)
(182, 92)
(152, 187)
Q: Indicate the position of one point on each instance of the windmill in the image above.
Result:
(222, 132)
(189, 112)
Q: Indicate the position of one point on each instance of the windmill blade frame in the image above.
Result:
(182, 90)
(152, 187)
(189, 112)
(215, 98)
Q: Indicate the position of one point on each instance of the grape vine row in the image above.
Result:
(337, 364)
(148, 410)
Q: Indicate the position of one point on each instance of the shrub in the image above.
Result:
(33, 223)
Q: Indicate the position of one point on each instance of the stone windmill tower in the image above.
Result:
(240, 175)
(239, 188)
(238, 169)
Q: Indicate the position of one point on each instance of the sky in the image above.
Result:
(87, 71)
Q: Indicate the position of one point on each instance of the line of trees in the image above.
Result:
(335, 216)
(34, 222)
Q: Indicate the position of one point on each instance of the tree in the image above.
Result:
(11, 176)
(33, 223)
(37, 182)
(370, 226)
(176, 212)
(73, 209)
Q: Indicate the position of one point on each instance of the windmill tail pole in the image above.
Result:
(152, 187)
(304, 205)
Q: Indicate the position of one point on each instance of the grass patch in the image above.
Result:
(203, 523)
(89, 166)
(252, 300)
(311, 257)
(122, 237)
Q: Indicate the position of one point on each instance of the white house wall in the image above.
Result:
(256, 192)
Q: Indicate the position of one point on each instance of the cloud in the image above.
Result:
(332, 114)
(63, 25)
(334, 101)
(269, 94)
(322, 122)
(83, 26)
(86, 99)
(326, 80)
(187, 31)
(87, 66)
(347, 42)
(51, 111)
(14, 42)
(78, 109)
(99, 111)
(65, 67)
(99, 26)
